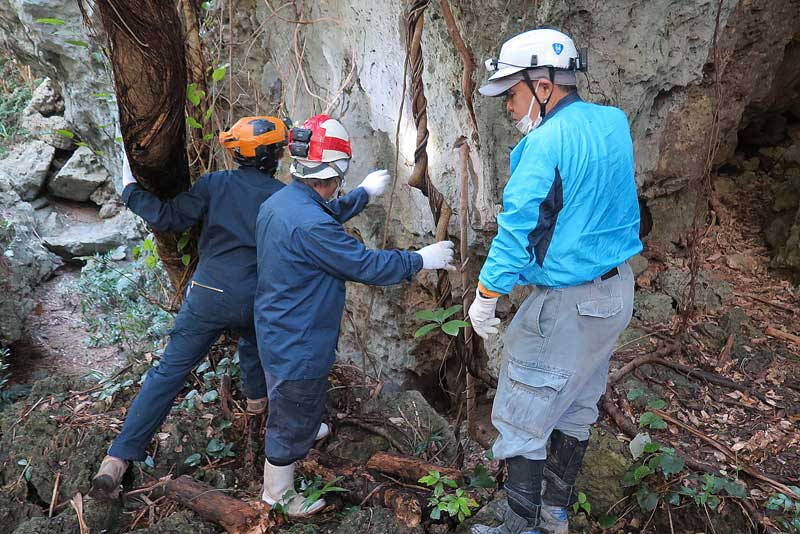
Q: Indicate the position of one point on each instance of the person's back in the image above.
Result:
(596, 209)
(226, 247)
(219, 296)
(304, 259)
(572, 176)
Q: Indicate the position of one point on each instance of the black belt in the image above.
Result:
(610, 274)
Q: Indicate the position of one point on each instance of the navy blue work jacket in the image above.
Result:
(304, 259)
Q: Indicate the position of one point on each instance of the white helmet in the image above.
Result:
(550, 53)
(320, 148)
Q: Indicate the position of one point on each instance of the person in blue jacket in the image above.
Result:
(220, 294)
(569, 224)
(304, 259)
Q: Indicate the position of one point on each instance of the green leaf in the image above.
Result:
(191, 122)
(218, 73)
(52, 21)
(149, 462)
(426, 315)
(635, 394)
(151, 262)
(208, 137)
(647, 499)
(81, 143)
(657, 404)
(658, 424)
(587, 507)
(425, 329)
(436, 513)
(66, 133)
(210, 396)
(215, 446)
(451, 327)
(205, 5)
(118, 139)
(183, 241)
(208, 114)
(449, 482)
(671, 464)
(429, 480)
(651, 447)
(581, 497)
(186, 259)
(674, 499)
(444, 314)
(148, 245)
(642, 471)
(652, 420)
(77, 42)
(734, 489)
(194, 459)
(607, 521)
(480, 478)
(23, 462)
(193, 95)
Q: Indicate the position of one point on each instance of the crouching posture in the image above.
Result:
(304, 259)
(220, 295)
(570, 221)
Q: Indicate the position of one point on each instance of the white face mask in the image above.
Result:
(526, 124)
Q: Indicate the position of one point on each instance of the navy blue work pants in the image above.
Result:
(204, 316)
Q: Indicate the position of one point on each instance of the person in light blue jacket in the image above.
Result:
(569, 224)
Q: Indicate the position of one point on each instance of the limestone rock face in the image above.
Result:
(80, 177)
(24, 262)
(26, 168)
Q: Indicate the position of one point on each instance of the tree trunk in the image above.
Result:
(146, 50)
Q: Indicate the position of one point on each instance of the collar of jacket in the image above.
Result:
(311, 193)
(564, 102)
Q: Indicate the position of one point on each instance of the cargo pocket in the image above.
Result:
(528, 396)
(602, 308)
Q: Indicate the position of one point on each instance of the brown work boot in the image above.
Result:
(107, 481)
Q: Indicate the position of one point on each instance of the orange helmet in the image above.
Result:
(252, 139)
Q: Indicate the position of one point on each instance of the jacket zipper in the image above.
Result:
(207, 287)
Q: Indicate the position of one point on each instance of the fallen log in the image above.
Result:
(234, 515)
(409, 468)
(405, 501)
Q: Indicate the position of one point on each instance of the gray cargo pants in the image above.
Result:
(555, 363)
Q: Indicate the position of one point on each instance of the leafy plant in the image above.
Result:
(15, 93)
(110, 386)
(217, 448)
(438, 318)
(789, 510)
(315, 490)
(582, 504)
(431, 439)
(120, 303)
(458, 504)
(480, 478)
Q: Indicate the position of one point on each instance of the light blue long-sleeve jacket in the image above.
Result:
(570, 208)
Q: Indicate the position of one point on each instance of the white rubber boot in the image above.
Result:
(323, 432)
(279, 480)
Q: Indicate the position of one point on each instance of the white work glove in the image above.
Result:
(127, 175)
(375, 182)
(437, 256)
(481, 314)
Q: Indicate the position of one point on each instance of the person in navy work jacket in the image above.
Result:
(570, 221)
(304, 259)
(220, 294)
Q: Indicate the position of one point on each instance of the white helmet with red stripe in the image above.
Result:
(320, 148)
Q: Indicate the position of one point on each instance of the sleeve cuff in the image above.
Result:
(488, 292)
(128, 191)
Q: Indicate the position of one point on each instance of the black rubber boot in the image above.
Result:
(563, 463)
(524, 493)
